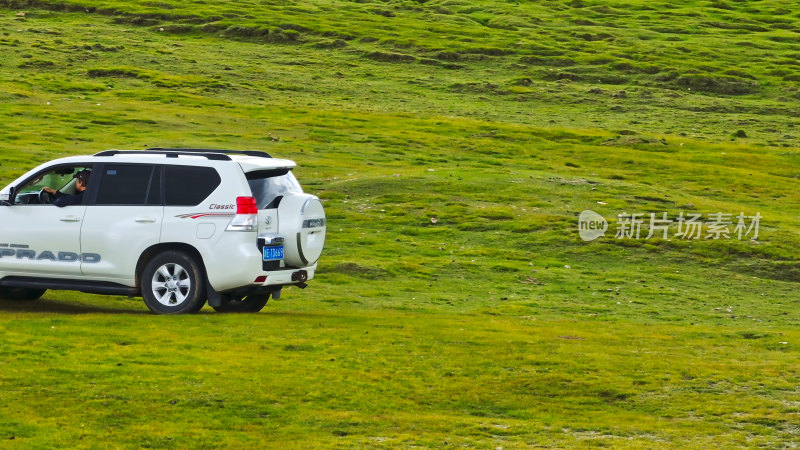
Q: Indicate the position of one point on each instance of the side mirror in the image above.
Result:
(5, 198)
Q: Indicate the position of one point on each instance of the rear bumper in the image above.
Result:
(287, 276)
(236, 262)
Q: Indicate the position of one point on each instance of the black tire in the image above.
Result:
(249, 304)
(172, 283)
(21, 294)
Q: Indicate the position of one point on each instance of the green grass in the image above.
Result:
(495, 326)
(355, 378)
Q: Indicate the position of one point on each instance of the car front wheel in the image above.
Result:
(172, 283)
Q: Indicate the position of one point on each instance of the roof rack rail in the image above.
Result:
(256, 153)
(168, 154)
(212, 154)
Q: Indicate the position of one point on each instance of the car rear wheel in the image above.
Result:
(21, 294)
(172, 283)
(249, 304)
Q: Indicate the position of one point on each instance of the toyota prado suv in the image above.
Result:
(177, 227)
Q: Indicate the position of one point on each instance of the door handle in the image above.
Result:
(70, 219)
(145, 220)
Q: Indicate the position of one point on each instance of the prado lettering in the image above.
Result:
(89, 258)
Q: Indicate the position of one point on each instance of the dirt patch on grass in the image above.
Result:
(37, 64)
(545, 61)
(116, 72)
(356, 270)
(391, 57)
(724, 85)
(773, 270)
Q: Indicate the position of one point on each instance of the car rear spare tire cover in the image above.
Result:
(302, 224)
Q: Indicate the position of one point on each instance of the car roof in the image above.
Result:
(247, 160)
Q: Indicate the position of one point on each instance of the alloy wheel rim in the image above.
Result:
(171, 284)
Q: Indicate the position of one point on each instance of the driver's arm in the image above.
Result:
(50, 190)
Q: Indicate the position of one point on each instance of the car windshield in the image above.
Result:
(268, 186)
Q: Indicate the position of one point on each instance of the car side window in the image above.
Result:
(124, 184)
(61, 179)
(189, 185)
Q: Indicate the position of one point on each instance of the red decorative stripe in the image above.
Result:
(198, 215)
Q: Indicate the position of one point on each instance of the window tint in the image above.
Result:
(188, 185)
(269, 186)
(124, 184)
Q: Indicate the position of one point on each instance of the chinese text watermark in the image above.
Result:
(592, 225)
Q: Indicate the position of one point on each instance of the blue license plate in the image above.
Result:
(273, 253)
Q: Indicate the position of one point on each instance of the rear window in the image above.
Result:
(189, 185)
(269, 186)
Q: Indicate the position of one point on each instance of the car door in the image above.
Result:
(122, 220)
(41, 240)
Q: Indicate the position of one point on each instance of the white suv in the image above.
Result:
(176, 226)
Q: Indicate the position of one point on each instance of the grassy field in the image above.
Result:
(454, 144)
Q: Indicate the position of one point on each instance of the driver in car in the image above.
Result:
(62, 199)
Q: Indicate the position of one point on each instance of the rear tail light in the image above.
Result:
(246, 205)
(246, 215)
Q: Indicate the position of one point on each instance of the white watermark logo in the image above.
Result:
(591, 225)
(685, 226)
